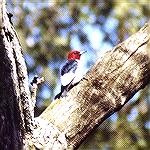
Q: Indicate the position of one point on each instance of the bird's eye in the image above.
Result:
(76, 52)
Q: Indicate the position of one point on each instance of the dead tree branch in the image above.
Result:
(105, 89)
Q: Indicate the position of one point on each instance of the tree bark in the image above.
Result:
(105, 89)
(15, 110)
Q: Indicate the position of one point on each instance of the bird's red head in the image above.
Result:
(74, 54)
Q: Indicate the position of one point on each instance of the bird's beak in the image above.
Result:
(83, 52)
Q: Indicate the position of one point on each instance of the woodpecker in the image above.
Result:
(70, 72)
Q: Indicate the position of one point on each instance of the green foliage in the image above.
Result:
(49, 29)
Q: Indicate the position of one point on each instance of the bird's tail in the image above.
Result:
(58, 96)
(62, 93)
(64, 90)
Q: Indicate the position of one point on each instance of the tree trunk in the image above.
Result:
(15, 111)
(105, 89)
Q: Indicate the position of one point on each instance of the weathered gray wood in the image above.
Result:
(108, 85)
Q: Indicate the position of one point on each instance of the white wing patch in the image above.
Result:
(67, 78)
(72, 77)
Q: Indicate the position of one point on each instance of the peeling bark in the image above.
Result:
(105, 89)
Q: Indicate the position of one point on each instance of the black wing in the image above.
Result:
(70, 65)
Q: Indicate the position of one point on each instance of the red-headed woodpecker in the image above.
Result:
(70, 72)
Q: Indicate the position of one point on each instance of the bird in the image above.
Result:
(69, 73)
